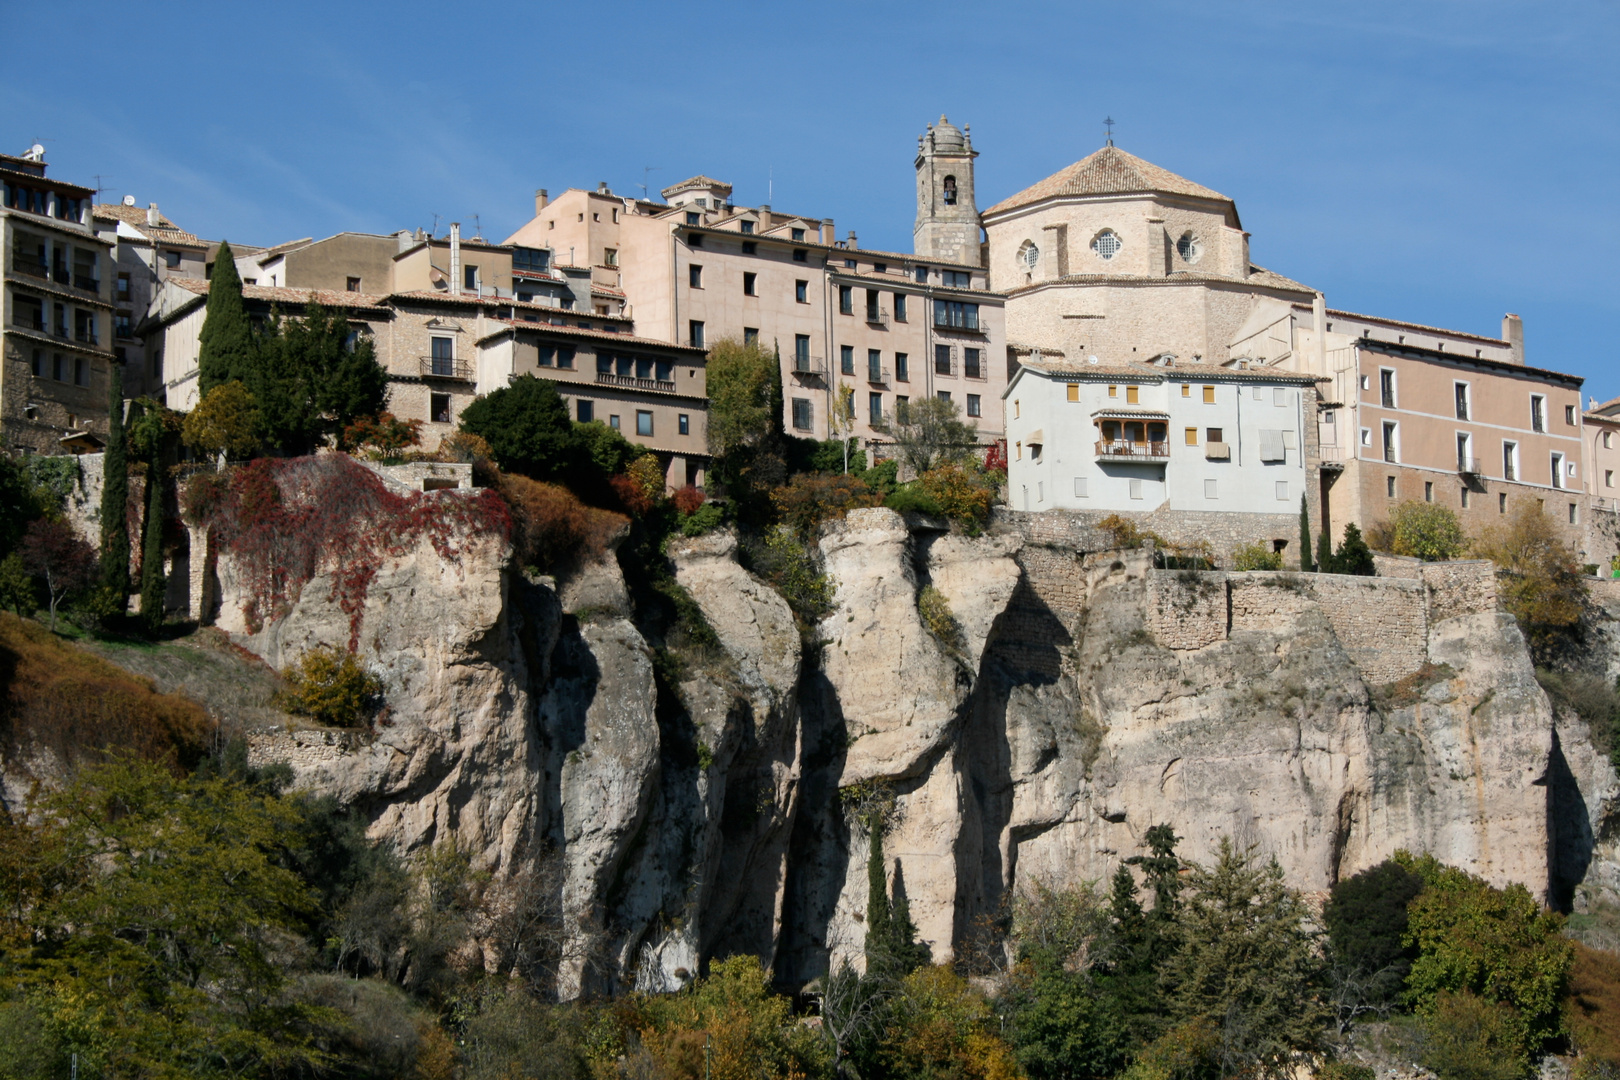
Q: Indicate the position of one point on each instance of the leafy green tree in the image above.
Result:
(1498, 944)
(314, 377)
(930, 434)
(1305, 564)
(1365, 916)
(1247, 963)
(744, 381)
(17, 590)
(527, 427)
(225, 421)
(226, 349)
(19, 503)
(940, 1026)
(603, 452)
(1427, 531)
(115, 493)
(1470, 1038)
(1354, 556)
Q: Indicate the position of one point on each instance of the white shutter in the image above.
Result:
(1271, 445)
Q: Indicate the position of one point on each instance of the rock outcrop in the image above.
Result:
(703, 800)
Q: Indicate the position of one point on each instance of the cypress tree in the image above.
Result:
(909, 953)
(225, 346)
(153, 583)
(115, 493)
(879, 922)
(1354, 556)
(777, 403)
(1305, 564)
(1325, 563)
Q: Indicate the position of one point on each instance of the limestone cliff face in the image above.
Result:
(698, 808)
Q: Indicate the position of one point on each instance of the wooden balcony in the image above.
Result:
(1133, 451)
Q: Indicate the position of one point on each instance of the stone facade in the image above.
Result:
(1222, 532)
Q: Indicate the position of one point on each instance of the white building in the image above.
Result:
(1123, 436)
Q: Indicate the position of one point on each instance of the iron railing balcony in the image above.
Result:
(808, 365)
(443, 367)
(87, 282)
(1135, 451)
(631, 382)
(32, 269)
(1469, 466)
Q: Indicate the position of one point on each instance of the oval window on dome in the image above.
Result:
(1107, 244)
(1189, 247)
(1029, 254)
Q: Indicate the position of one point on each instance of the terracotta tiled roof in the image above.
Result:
(510, 325)
(1110, 171)
(1054, 365)
(280, 294)
(164, 232)
(269, 253)
(1381, 321)
(699, 181)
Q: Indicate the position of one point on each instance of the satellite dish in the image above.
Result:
(129, 200)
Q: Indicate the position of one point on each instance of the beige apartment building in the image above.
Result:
(148, 250)
(56, 314)
(879, 328)
(1600, 427)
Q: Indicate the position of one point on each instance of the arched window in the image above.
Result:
(950, 191)
(1107, 243)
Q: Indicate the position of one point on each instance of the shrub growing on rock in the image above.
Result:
(1256, 556)
(1426, 531)
(329, 685)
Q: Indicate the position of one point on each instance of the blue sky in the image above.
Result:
(1436, 161)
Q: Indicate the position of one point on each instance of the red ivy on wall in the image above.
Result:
(284, 520)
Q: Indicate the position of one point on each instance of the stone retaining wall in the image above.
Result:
(301, 748)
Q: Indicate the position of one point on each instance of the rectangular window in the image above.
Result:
(469, 278)
(695, 333)
(1040, 491)
(750, 335)
(873, 313)
(693, 217)
(1209, 489)
(973, 405)
(802, 415)
(1209, 395)
(1279, 396)
(1080, 487)
(1136, 489)
(1366, 436)
(846, 300)
(956, 315)
(1214, 434)
(922, 275)
(604, 363)
(1464, 496)
(1282, 491)
(1132, 395)
(796, 235)
(171, 259)
(747, 228)
(971, 367)
(1608, 474)
(533, 260)
(1460, 390)
(901, 402)
(81, 371)
(644, 422)
(749, 247)
(613, 421)
(565, 356)
(123, 287)
(1538, 413)
(1558, 470)
(694, 240)
(1191, 435)
(1389, 487)
(1113, 391)
(546, 356)
(58, 368)
(123, 325)
(1257, 393)
(694, 276)
(1510, 461)
(801, 255)
(439, 408)
(956, 279)
(1389, 442)
(902, 367)
(748, 283)
(899, 307)
(1386, 387)
(874, 365)
(1074, 391)
(942, 360)
(1428, 491)
(801, 290)
(1186, 390)
(1574, 515)
(1569, 415)
(801, 352)
(874, 409)
(37, 367)
(351, 284)
(1501, 503)
(1465, 454)
(943, 395)
(846, 359)
(443, 360)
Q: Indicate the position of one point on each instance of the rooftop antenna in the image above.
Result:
(434, 231)
(100, 186)
(478, 230)
(645, 169)
(770, 184)
(1108, 122)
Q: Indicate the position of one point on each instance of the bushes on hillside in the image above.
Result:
(1423, 530)
(1544, 587)
(1256, 556)
(331, 687)
(551, 526)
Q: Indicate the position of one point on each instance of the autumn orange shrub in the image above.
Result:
(962, 496)
(688, 499)
(809, 499)
(550, 525)
(1593, 1004)
(75, 705)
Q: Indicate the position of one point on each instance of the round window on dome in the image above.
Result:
(1107, 243)
(1029, 255)
(1189, 247)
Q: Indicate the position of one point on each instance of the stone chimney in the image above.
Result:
(1513, 334)
(602, 188)
(828, 235)
(850, 243)
(541, 197)
(153, 218)
(403, 239)
(455, 258)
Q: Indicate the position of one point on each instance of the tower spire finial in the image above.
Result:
(1108, 123)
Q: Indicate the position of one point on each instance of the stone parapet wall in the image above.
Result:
(1460, 588)
(1223, 532)
(1383, 625)
(302, 748)
(1188, 610)
(423, 475)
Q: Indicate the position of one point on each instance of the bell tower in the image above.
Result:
(947, 218)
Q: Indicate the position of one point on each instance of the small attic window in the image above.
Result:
(950, 191)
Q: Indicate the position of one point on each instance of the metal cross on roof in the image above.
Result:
(1108, 122)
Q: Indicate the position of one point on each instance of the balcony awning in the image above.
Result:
(1130, 414)
(1038, 437)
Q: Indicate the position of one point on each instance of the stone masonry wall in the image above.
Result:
(302, 748)
(1188, 610)
(1222, 531)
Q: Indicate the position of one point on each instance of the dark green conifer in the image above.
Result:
(909, 953)
(1305, 564)
(879, 921)
(1354, 556)
(225, 346)
(1325, 562)
(115, 493)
